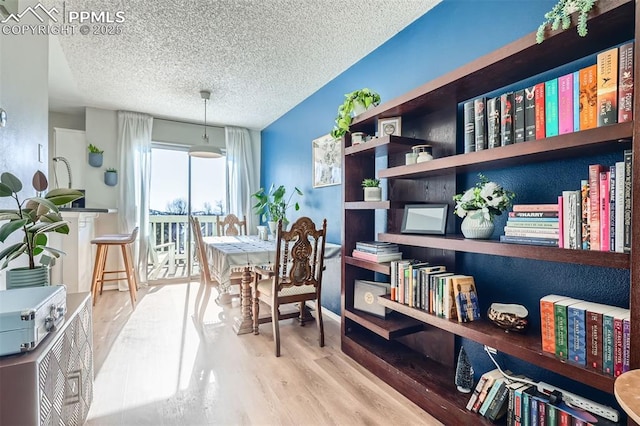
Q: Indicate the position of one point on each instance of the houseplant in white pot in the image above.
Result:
(354, 103)
(34, 217)
(273, 205)
(372, 190)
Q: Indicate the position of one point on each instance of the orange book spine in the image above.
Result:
(607, 87)
(547, 325)
(588, 97)
(540, 119)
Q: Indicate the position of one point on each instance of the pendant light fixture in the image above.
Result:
(205, 150)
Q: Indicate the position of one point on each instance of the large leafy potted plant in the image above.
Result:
(34, 217)
(354, 103)
(273, 205)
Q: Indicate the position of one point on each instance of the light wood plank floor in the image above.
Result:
(154, 366)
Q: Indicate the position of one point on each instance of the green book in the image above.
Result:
(560, 317)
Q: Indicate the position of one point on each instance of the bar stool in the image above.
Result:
(103, 242)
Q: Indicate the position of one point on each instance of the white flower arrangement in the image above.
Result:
(486, 197)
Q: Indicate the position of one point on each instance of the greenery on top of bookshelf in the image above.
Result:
(560, 14)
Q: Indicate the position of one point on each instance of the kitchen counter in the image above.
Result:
(87, 210)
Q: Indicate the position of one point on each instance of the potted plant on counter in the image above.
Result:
(354, 103)
(95, 156)
(111, 177)
(34, 217)
(372, 190)
(272, 205)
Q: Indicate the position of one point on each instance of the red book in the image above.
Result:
(564, 419)
(565, 104)
(540, 119)
(594, 205)
(618, 346)
(604, 211)
(625, 83)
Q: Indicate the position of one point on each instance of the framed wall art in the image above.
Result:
(327, 161)
(389, 126)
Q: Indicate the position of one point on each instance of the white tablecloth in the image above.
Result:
(230, 254)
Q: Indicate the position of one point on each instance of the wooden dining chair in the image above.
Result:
(296, 275)
(206, 279)
(231, 225)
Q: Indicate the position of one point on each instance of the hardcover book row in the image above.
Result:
(434, 290)
(524, 404)
(597, 95)
(588, 334)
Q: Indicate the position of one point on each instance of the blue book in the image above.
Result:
(551, 107)
(577, 333)
(576, 101)
(533, 219)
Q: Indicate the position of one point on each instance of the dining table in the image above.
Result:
(239, 254)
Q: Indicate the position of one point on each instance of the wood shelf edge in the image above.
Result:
(523, 346)
(387, 329)
(494, 247)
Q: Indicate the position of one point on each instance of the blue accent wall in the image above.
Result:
(452, 34)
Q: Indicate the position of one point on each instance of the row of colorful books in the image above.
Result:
(595, 217)
(588, 334)
(377, 251)
(594, 96)
(523, 404)
(434, 290)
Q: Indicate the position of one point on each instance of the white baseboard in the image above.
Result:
(326, 312)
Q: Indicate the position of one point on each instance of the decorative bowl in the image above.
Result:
(509, 317)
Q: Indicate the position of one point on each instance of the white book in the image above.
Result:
(619, 214)
(572, 219)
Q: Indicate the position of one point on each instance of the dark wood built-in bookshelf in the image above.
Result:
(411, 349)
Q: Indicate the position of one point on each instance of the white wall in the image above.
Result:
(23, 94)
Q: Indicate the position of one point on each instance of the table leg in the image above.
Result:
(244, 324)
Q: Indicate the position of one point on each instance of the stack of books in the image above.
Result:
(377, 251)
(534, 224)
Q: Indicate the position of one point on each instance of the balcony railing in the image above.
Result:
(174, 229)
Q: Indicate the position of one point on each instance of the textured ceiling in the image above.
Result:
(259, 58)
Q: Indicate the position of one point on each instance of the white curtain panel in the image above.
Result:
(134, 152)
(240, 175)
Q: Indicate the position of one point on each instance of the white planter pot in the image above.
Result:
(373, 194)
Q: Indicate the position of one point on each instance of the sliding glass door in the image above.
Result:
(181, 185)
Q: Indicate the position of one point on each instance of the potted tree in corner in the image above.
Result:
(95, 156)
(372, 190)
(34, 217)
(354, 103)
(272, 205)
(111, 177)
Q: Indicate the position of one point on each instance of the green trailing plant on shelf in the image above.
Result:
(560, 17)
(354, 103)
(370, 183)
(34, 217)
(272, 205)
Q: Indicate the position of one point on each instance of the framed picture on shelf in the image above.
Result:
(327, 161)
(390, 126)
(425, 219)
